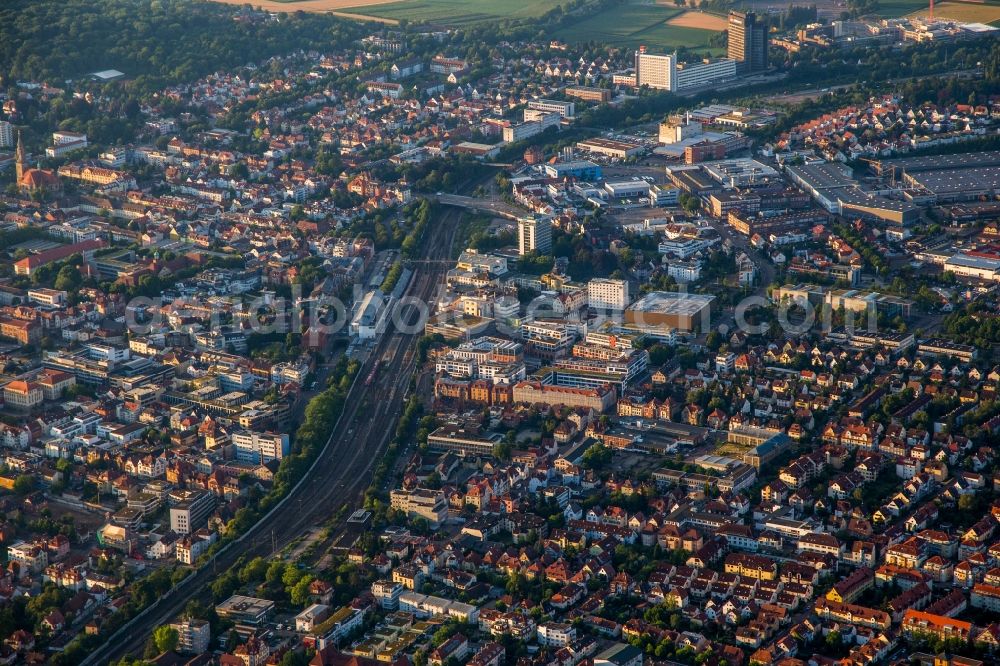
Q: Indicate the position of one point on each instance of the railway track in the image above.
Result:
(342, 471)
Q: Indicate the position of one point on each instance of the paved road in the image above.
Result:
(342, 471)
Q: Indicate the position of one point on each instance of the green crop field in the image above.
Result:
(635, 25)
(897, 8)
(456, 12)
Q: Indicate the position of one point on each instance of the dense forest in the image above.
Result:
(152, 41)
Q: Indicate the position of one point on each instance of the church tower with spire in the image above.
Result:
(19, 158)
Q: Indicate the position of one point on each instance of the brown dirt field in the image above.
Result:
(699, 20)
(327, 6)
(969, 13)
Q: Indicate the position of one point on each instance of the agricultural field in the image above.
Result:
(965, 12)
(897, 8)
(450, 12)
(332, 6)
(658, 27)
(700, 20)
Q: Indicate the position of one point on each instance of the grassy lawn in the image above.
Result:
(457, 12)
(635, 25)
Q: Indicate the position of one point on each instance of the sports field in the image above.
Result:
(451, 12)
(658, 27)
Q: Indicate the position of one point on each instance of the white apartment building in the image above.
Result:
(430, 505)
(193, 636)
(556, 634)
(552, 337)
(260, 447)
(564, 109)
(312, 616)
(608, 294)
(683, 247)
(64, 137)
(472, 260)
(31, 556)
(536, 123)
(65, 142)
(655, 71)
(387, 593)
(6, 134)
(534, 234)
(191, 511)
(684, 271)
(429, 606)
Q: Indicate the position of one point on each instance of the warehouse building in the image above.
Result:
(834, 188)
(610, 148)
(977, 266)
(666, 309)
(946, 178)
(581, 169)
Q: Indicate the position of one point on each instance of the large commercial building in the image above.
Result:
(658, 309)
(974, 265)
(535, 123)
(534, 234)
(589, 94)
(834, 188)
(703, 73)
(664, 72)
(465, 440)
(599, 399)
(853, 300)
(945, 178)
(580, 169)
(247, 612)
(610, 148)
(564, 109)
(677, 129)
(748, 41)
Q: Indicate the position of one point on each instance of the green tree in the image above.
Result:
(291, 576)
(24, 484)
(274, 572)
(597, 456)
(967, 503)
(68, 278)
(502, 450)
(299, 593)
(256, 569)
(166, 638)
